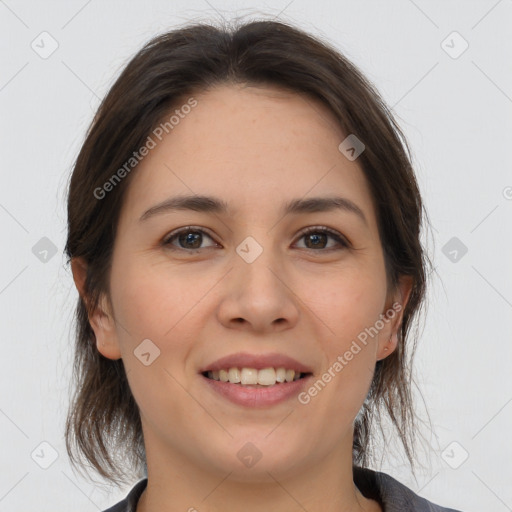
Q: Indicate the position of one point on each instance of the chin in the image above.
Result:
(252, 458)
(263, 471)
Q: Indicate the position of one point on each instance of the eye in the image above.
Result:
(317, 236)
(188, 238)
(191, 238)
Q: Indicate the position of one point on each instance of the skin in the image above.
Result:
(255, 148)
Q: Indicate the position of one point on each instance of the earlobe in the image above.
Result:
(103, 325)
(100, 319)
(388, 347)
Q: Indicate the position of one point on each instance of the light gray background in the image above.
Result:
(456, 113)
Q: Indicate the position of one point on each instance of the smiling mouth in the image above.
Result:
(252, 377)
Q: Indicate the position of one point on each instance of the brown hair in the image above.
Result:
(103, 422)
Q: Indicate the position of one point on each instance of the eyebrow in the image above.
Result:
(207, 204)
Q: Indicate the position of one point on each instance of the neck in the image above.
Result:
(326, 486)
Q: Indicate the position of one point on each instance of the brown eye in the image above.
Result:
(317, 238)
(187, 238)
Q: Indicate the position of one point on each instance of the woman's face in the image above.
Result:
(247, 286)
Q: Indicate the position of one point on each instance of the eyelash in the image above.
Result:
(314, 229)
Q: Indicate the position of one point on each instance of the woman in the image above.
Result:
(244, 234)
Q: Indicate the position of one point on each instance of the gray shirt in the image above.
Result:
(392, 495)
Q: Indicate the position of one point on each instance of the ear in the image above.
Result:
(394, 311)
(101, 319)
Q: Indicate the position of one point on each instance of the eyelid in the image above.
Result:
(340, 239)
(185, 229)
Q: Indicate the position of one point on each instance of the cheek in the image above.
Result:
(152, 301)
(350, 306)
(151, 304)
(347, 301)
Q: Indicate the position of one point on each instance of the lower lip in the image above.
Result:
(257, 397)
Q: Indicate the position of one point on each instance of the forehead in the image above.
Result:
(254, 147)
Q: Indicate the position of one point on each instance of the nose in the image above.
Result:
(258, 296)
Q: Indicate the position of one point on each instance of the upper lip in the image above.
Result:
(256, 361)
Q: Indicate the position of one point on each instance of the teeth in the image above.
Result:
(251, 376)
(267, 377)
(234, 375)
(280, 374)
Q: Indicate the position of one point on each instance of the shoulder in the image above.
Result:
(392, 495)
(129, 504)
